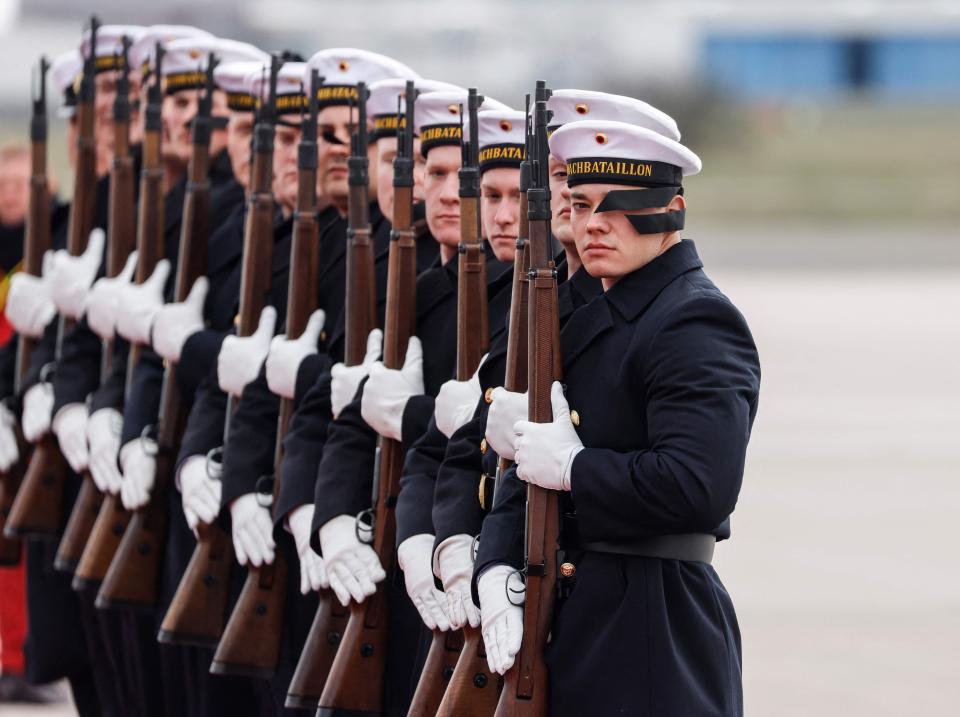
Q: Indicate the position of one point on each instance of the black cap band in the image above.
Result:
(501, 155)
(438, 135)
(633, 172)
(330, 95)
(177, 81)
(240, 101)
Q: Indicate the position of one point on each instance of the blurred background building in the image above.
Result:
(828, 208)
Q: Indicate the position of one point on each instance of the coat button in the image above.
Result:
(568, 569)
(323, 335)
(574, 418)
(483, 446)
(488, 395)
(236, 320)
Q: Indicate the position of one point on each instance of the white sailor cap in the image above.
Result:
(437, 117)
(234, 78)
(382, 102)
(185, 61)
(65, 70)
(341, 68)
(141, 52)
(606, 152)
(650, 165)
(501, 138)
(576, 105)
(290, 96)
(110, 44)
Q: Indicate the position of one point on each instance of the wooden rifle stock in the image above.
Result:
(446, 649)
(250, 642)
(355, 681)
(121, 236)
(133, 580)
(526, 685)
(467, 694)
(37, 510)
(36, 241)
(113, 519)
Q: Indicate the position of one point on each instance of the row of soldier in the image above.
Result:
(289, 321)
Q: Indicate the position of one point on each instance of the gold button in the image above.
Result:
(323, 335)
(236, 320)
(488, 395)
(483, 446)
(568, 569)
(574, 418)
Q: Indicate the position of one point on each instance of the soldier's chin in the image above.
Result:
(336, 186)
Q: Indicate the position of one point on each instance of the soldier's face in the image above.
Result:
(386, 153)
(500, 210)
(333, 149)
(106, 94)
(560, 205)
(285, 144)
(441, 191)
(609, 246)
(218, 108)
(14, 189)
(239, 131)
(176, 113)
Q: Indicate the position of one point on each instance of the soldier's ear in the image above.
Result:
(677, 203)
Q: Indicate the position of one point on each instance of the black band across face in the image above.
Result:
(630, 200)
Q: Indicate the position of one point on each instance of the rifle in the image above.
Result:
(355, 680)
(133, 580)
(470, 674)
(36, 241)
(121, 233)
(251, 640)
(472, 340)
(525, 684)
(38, 508)
(113, 518)
(329, 624)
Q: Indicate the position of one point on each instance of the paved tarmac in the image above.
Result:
(843, 565)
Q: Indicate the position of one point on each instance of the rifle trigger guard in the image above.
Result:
(263, 490)
(47, 372)
(147, 441)
(511, 594)
(364, 528)
(214, 463)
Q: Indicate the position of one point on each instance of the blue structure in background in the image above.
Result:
(786, 66)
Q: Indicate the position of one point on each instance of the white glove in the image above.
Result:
(285, 356)
(138, 459)
(240, 359)
(104, 298)
(70, 427)
(457, 401)
(139, 303)
(30, 304)
(37, 407)
(545, 451)
(252, 531)
(502, 620)
(73, 275)
(454, 567)
(103, 437)
(199, 493)
(413, 556)
(345, 380)
(177, 322)
(9, 450)
(313, 576)
(506, 408)
(387, 391)
(353, 568)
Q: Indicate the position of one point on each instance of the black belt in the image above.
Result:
(696, 547)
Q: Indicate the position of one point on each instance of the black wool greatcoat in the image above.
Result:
(665, 376)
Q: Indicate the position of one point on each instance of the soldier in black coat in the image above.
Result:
(663, 376)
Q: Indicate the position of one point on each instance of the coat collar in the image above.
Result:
(634, 292)
(436, 284)
(226, 242)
